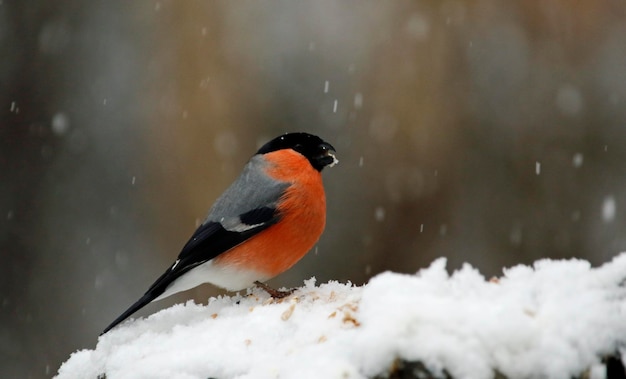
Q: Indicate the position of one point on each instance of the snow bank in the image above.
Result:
(555, 319)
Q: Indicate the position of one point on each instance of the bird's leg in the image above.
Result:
(276, 294)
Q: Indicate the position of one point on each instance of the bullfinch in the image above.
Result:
(264, 223)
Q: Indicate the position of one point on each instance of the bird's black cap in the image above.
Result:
(319, 152)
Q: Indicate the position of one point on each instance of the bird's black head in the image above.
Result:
(319, 152)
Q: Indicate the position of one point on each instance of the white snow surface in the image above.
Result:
(552, 320)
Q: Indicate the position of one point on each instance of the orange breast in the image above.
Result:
(303, 211)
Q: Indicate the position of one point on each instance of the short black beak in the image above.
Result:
(328, 157)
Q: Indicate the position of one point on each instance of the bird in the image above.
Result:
(263, 223)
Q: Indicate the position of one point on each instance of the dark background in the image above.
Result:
(487, 132)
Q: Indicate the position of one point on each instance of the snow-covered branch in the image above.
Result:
(556, 319)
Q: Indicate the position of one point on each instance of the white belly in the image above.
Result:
(220, 276)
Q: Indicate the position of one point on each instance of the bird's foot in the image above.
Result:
(276, 294)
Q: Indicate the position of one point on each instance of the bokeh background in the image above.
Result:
(489, 132)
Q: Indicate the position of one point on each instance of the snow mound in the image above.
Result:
(554, 319)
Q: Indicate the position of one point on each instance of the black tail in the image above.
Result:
(145, 299)
(201, 248)
(155, 290)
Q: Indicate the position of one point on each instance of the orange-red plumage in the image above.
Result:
(303, 217)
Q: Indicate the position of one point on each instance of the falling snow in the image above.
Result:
(60, 124)
(537, 168)
(516, 235)
(443, 230)
(608, 209)
(418, 27)
(577, 160)
(379, 214)
(358, 100)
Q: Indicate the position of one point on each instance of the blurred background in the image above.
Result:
(483, 131)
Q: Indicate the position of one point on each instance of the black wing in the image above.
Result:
(209, 240)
